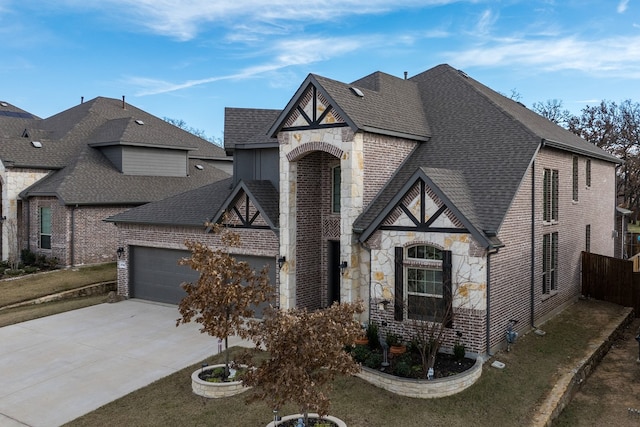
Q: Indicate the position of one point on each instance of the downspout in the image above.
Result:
(28, 225)
(488, 326)
(72, 232)
(533, 243)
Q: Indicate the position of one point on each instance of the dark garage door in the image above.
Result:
(156, 276)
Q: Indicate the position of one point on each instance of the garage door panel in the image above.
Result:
(156, 276)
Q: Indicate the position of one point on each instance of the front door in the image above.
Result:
(333, 286)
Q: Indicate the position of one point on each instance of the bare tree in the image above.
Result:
(224, 298)
(306, 352)
(553, 110)
(616, 129)
(200, 133)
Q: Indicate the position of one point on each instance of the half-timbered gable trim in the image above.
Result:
(250, 205)
(422, 206)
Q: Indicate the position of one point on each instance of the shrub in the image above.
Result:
(360, 353)
(27, 257)
(459, 351)
(393, 339)
(402, 369)
(373, 361)
(372, 336)
(30, 269)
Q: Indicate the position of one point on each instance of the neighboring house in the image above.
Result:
(398, 192)
(63, 175)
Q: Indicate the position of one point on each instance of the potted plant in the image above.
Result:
(363, 339)
(396, 346)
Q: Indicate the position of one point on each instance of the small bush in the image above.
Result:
(360, 353)
(27, 257)
(30, 269)
(402, 369)
(372, 336)
(373, 361)
(459, 351)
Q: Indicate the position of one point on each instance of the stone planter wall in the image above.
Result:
(335, 420)
(423, 389)
(215, 390)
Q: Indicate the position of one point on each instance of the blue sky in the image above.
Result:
(189, 59)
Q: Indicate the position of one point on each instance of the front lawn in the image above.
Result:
(32, 286)
(504, 397)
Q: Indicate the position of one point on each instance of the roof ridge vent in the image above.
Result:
(463, 74)
(357, 92)
(4, 104)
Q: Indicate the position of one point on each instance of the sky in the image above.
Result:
(189, 59)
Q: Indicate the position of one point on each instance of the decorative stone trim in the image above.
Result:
(215, 390)
(335, 420)
(423, 389)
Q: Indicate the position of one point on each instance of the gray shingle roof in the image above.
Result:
(487, 138)
(192, 208)
(85, 176)
(390, 106)
(248, 126)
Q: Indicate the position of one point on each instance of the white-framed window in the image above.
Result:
(45, 227)
(336, 178)
(424, 284)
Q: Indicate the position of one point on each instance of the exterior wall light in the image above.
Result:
(281, 261)
(343, 266)
(120, 252)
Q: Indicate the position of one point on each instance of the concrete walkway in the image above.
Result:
(57, 368)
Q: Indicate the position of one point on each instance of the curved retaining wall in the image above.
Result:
(423, 389)
(215, 390)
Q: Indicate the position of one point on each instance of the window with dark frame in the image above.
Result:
(550, 195)
(587, 173)
(549, 263)
(336, 176)
(45, 227)
(587, 238)
(575, 178)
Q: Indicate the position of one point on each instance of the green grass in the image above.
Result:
(506, 397)
(11, 316)
(32, 286)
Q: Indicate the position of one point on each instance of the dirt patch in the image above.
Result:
(611, 395)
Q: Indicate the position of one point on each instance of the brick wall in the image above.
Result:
(78, 234)
(512, 281)
(382, 157)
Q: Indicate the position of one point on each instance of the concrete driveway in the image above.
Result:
(57, 368)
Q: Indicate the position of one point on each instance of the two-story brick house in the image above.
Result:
(61, 176)
(406, 193)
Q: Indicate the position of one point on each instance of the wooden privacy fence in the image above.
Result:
(611, 279)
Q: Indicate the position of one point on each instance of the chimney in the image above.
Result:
(124, 107)
(405, 75)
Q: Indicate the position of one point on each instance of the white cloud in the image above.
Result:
(622, 6)
(485, 22)
(183, 19)
(619, 56)
(287, 53)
